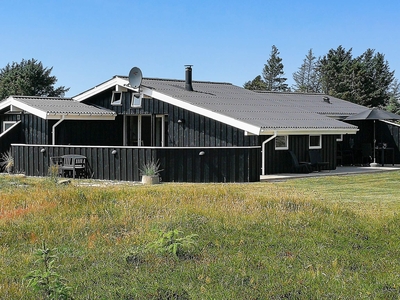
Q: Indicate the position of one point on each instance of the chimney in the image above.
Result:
(188, 79)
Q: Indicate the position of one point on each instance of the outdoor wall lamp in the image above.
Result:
(114, 152)
(201, 153)
(43, 150)
(181, 121)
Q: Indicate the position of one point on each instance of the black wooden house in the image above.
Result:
(199, 131)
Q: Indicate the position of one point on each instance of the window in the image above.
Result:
(136, 100)
(8, 124)
(282, 142)
(116, 98)
(315, 142)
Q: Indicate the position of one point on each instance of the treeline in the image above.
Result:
(366, 79)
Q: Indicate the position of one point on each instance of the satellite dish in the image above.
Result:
(135, 77)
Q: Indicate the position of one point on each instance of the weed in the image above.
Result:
(47, 280)
(171, 243)
(53, 172)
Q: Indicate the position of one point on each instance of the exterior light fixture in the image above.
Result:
(114, 152)
(201, 153)
(43, 150)
(181, 121)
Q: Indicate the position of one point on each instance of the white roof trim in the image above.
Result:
(16, 105)
(307, 131)
(101, 88)
(202, 111)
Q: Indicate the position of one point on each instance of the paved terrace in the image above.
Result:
(345, 170)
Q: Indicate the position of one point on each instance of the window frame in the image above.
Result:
(116, 102)
(286, 147)
(319, 146)
(6, 123)
(135, 99)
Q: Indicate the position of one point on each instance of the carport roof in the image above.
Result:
(56, 108)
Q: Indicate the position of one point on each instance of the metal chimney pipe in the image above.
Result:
(188, 78)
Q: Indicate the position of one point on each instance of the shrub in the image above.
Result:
(47, 280)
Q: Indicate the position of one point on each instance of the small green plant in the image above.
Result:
(7, 161)
(171, 243)
(151, 168)
(53, 172)
(47, 280)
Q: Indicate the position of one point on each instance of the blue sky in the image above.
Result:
(88, 42)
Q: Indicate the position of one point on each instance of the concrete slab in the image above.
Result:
(345, 170)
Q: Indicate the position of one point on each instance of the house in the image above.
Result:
(199, 131)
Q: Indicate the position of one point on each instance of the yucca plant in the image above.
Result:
(151, 168)
(7, 161)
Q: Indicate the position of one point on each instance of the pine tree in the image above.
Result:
(307, 77)
(335, 73)
(273, 72)
(255, 84)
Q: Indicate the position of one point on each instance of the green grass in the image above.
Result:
(315, 238)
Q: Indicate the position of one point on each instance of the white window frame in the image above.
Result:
(8, 124)
(136, 102)
(319, 146)
(286, 147)
(117, 102)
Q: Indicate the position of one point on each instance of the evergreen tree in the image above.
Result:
(394, 98)
(364, 80)
(255, 84)
(273, 72)
(28, 78)
(307, 77)
(335, 69)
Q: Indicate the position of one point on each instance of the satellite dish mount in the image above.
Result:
(135, 80)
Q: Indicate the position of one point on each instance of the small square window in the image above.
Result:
(136, 101)
(315, 142)
(116, 98)
(281, 142)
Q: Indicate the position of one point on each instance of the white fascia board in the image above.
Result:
(80, 117)
(251, 129)
(306, 131)
(101, 88)
(40, 113)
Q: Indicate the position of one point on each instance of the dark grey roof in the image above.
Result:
(62, 106)
(266, 110)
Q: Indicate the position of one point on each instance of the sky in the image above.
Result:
(87, 42)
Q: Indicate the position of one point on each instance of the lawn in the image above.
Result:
(314, 238)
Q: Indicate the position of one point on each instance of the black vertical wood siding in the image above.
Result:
(233, 164)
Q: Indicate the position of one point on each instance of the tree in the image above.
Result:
(335, 69)
(364, 80)
(273, 72)
(307, 78)
(255, 84)
(28, 78)
(394, 93)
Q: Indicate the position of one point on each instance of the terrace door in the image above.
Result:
(144, 130)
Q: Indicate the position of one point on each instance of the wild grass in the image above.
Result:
(325, 238)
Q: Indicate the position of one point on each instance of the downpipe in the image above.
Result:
(53, 130)
(263, 151)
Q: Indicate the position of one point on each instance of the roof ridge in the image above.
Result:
(175, 80)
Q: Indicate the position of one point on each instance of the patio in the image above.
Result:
(342, 170)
